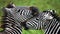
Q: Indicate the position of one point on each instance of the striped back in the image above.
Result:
(21, 13)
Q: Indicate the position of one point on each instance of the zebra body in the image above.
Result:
(20, 13)
(53, 27)
(11, 26)
(36, 22)
(14, 17)
(45, 20)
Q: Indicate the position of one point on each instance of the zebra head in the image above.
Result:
(48, 14)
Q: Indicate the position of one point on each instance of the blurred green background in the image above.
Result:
(40, 4)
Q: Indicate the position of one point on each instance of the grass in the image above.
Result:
(33, 32)
(40, 4)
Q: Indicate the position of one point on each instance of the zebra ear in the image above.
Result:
(10, 5)
(34, 10)
(52, 11)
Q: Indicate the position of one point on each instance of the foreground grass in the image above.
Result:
(33, 32)
(40, 4)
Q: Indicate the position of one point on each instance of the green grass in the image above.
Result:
(33, 32)
(40, 4)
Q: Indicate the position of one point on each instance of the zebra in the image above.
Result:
(47, 20)
(53, 26)
(37, 21)
(15, 16)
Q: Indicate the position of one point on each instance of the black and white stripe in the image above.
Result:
(46, 20)
(15, 16)
(23, 13)
(11, 26)
(36, 22)
(53, 27)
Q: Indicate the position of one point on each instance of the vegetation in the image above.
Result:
(40, 4)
